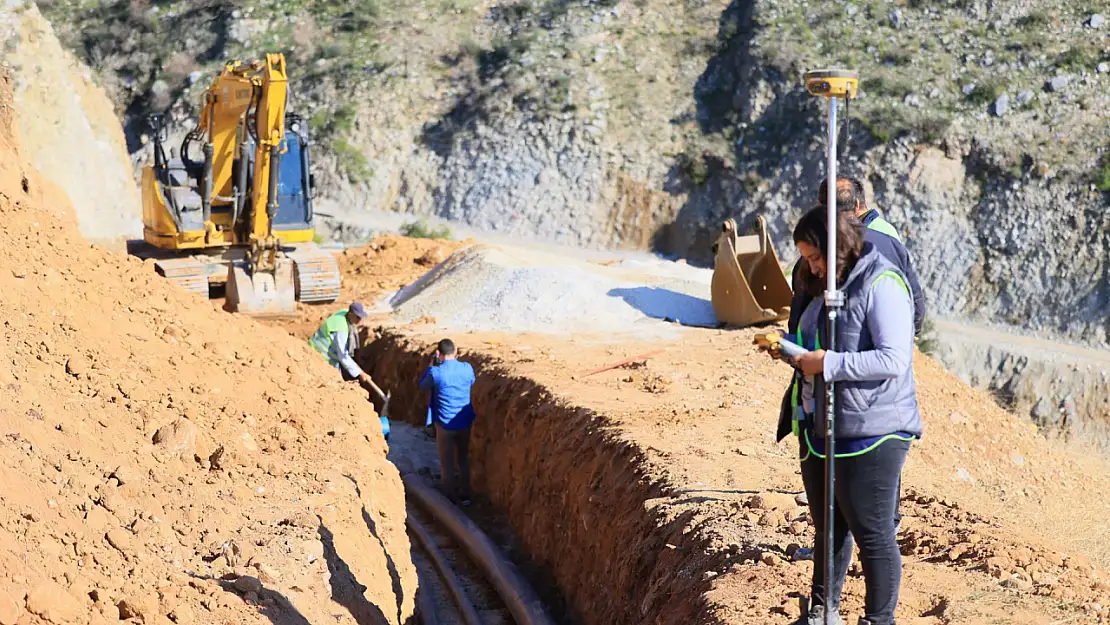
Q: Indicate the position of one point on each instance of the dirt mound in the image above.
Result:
(383, 266)
(69, 129)
(160, 459)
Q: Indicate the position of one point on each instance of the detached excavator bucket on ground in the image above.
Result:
(749, 286)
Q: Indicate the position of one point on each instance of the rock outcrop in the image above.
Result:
(70, 128)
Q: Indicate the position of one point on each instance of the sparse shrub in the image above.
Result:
(896, 56)
(1079, 57)
(894, 86)
(695, 168)
(933, 127)
(927, 342)
(1102, 175)
(885, 123)
(422, 230)
(343, 120)
(985, 92)
(351, 160)
(472, 48)
(1036, 18)
(359, 15)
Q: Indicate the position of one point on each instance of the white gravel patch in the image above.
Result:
(505, 289)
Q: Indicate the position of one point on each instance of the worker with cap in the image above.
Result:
(337, 341)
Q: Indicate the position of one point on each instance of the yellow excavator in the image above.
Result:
(749, 286)
(243, 215)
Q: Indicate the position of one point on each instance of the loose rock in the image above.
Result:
(177, 437)
(53, 603)
(247, 583)
(1058, 83)
(1001, 105)
(122, 541)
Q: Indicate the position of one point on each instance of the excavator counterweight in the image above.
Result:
(749, 286)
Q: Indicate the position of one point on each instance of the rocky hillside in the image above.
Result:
(643, 123)
(72, 134)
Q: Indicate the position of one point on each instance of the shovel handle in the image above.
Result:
(377, 391)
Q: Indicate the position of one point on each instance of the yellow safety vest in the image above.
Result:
(321, 341)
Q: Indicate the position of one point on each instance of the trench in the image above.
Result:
(575, 498)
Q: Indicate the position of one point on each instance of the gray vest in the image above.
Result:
(872, 408)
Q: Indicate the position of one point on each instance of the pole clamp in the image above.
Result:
(834, 299)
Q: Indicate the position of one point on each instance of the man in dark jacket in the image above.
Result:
(850, 197)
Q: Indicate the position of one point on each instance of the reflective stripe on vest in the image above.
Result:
(878, 224)
(321, 341)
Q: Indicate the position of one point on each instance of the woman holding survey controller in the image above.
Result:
(876, 410)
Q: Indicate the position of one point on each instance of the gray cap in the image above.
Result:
(358, 309)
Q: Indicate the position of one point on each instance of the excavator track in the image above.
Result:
(187, 273)
(317, 276)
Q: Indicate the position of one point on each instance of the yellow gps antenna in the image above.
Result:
(834, 85)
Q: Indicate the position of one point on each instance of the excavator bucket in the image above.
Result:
(749, 286)
(262, 293)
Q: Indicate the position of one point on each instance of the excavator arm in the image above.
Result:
(264, 285)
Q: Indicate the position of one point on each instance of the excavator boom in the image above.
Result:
(263, 284)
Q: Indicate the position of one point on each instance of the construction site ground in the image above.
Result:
(163, 461)
(1002, 523)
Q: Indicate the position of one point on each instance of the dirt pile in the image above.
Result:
(383, 266)
(162, 461)
(69, 127)
(488, 288)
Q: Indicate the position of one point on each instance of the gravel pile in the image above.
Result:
(493, 288)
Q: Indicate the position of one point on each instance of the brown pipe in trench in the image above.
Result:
(454, 585)
(522, 601)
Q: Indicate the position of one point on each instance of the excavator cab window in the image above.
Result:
(294, 201)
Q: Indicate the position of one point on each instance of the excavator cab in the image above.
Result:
(749, 286)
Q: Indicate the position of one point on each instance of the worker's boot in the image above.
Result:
(815, 615)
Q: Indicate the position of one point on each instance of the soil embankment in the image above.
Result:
(161, 459)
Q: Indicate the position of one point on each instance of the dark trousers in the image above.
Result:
(866, 503)
(453, 447)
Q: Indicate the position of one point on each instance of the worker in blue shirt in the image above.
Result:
(449, 381)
